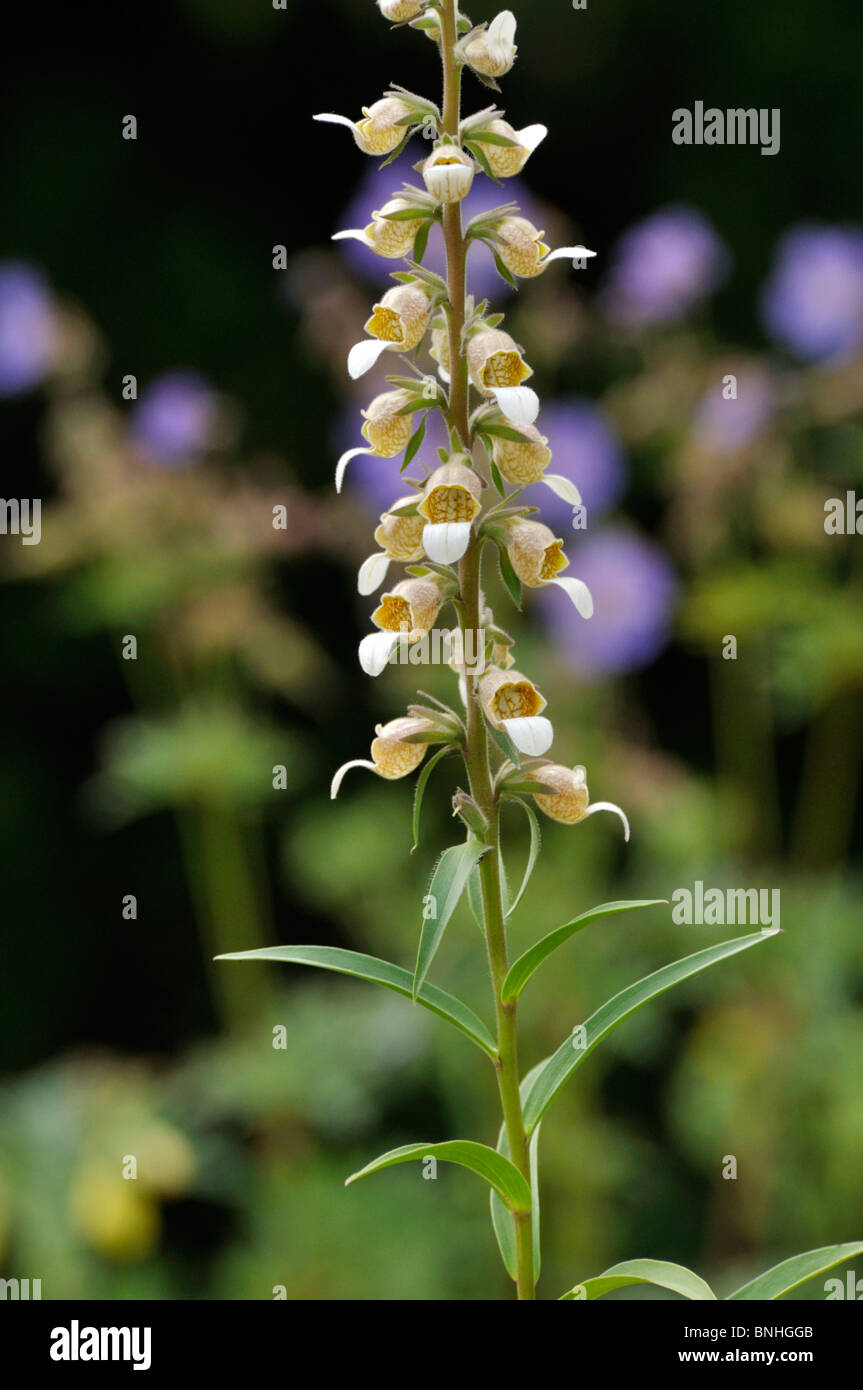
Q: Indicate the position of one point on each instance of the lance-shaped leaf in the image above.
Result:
(502, 1221)
(422, 782)
(521, 970)
(379, 972)
(447, 885)
(533, 855)
(784, 1277)
(496, 1170)
(571, 1053)
(657, 1272)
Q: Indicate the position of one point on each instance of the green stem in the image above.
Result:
(476, 746)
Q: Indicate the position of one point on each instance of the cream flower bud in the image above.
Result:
(380, 132)
(401, 317)
(452, 493)
(385, 429)
(398, 11)
(569, 803)
(495, 360)
(520, 246)
(410, 608)
(448, 174)
(400, 535)
(392, 755)
(450, 503)
(521, 462)
(393, 238)
(505, 161)
(493, 51)
(398, 323)
(509, 695)
(513, 703)
(535, 553)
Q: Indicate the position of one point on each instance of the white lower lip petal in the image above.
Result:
(446, 542)
(532, 736)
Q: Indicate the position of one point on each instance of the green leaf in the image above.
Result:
(379, 972)
(504, 742)
(560, 1066)
(502, 1221)
(657, 1272)
(422, 782)
(509, 576)
(503, 272)
(447, 885)
(521, 970)
(399, 147)
(496, 478)
(535, 846)
(415, 443)
(491, 137)
(421, 241)
(784, 1277)
(503, 432)
(496, 1170)
(481, 157)
(474, 897)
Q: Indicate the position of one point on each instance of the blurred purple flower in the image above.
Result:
(585, 449)
(634, 591)
(725, 426)
(378, 186)
(174, 420)
(28, 328)
(664, 265)
(812, 302)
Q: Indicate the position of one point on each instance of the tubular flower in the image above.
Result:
(400, 534)
(400, 537)
(535, 552)
(386, 428)
(495, 360)
(400, 10)
(493, 51)
(380, 131)
(448, 174)
(505, 161)
(569, 803)
(410, 609)
(513, 703)
(524, 461)
(391, 237)
(450, 503)
(398, 322)
(523, 251)
(392, 755)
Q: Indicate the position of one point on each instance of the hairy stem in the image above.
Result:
(476, 748)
